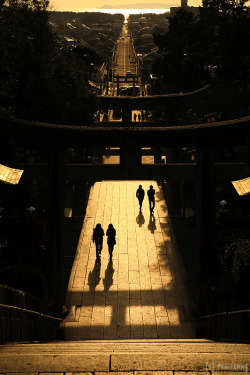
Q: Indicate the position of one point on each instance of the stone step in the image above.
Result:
(125, 356)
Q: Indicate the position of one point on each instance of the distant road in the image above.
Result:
(125, 58)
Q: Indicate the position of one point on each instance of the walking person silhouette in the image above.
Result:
(111, 241)
(140, 195)
(98, 234)
(151, 198)
(135, 117)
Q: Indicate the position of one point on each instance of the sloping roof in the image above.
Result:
(242, 186)
(10, 175)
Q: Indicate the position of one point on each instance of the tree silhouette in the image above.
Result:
(213, 47)
(180, 61)
(38, 79)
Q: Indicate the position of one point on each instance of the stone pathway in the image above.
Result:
(141, 292)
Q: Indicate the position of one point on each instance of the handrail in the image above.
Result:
(10, 296)
(30, 311)
(20, 324)
(224, 313)
(232, 325)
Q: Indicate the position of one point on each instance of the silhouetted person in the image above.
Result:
(98, 234)
(135, 116)
(139, 117)
(151, 198)
(140, 195)
(111, 241)
(151, 224)
(140, 219)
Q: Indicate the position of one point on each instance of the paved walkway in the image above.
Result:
(141, 293)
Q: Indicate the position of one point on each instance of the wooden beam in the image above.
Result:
(175, 171)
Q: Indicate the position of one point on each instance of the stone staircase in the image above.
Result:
(137, 357)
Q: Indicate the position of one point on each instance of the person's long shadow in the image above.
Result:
(140, 219)
(108, 279)
(94, 275)
(151, 224)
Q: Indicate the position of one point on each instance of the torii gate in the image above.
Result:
(58, 137)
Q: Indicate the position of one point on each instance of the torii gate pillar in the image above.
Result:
(205, 215)
(55, 224)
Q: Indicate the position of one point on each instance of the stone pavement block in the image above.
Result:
(96, 332)
(189, 330)
(176, 331)
(150, 331)
(148, 313)
(160, 310)
(165, 270)
(145, 283)
(111, 332)
(76, 298)
(174, 315)
(161, 250)
(156, 277)
(191, 373)
(172, 361)
(170, 299)
(87, 299)
(134, 277)
(98, 315)
(83, 332)
(135, 290)
(136, 331)
(167, 281)
(153, 373)
(114, 287)
(76, 362)
(123, 331)
(86, 311)
(158, 296)
(51, 373)
(147, 297)
(111, 297)
(163, 328)
(70, 330)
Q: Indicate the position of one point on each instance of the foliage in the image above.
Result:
(39, 80)
(227, 28)
(238, 251)
(88, 55)
(238, 262)
(180, 58)
(213, 47)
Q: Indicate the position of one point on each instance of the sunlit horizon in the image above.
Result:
(125, 12)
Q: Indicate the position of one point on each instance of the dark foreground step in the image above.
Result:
(137, 357)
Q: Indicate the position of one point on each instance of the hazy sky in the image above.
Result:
(78, 4)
